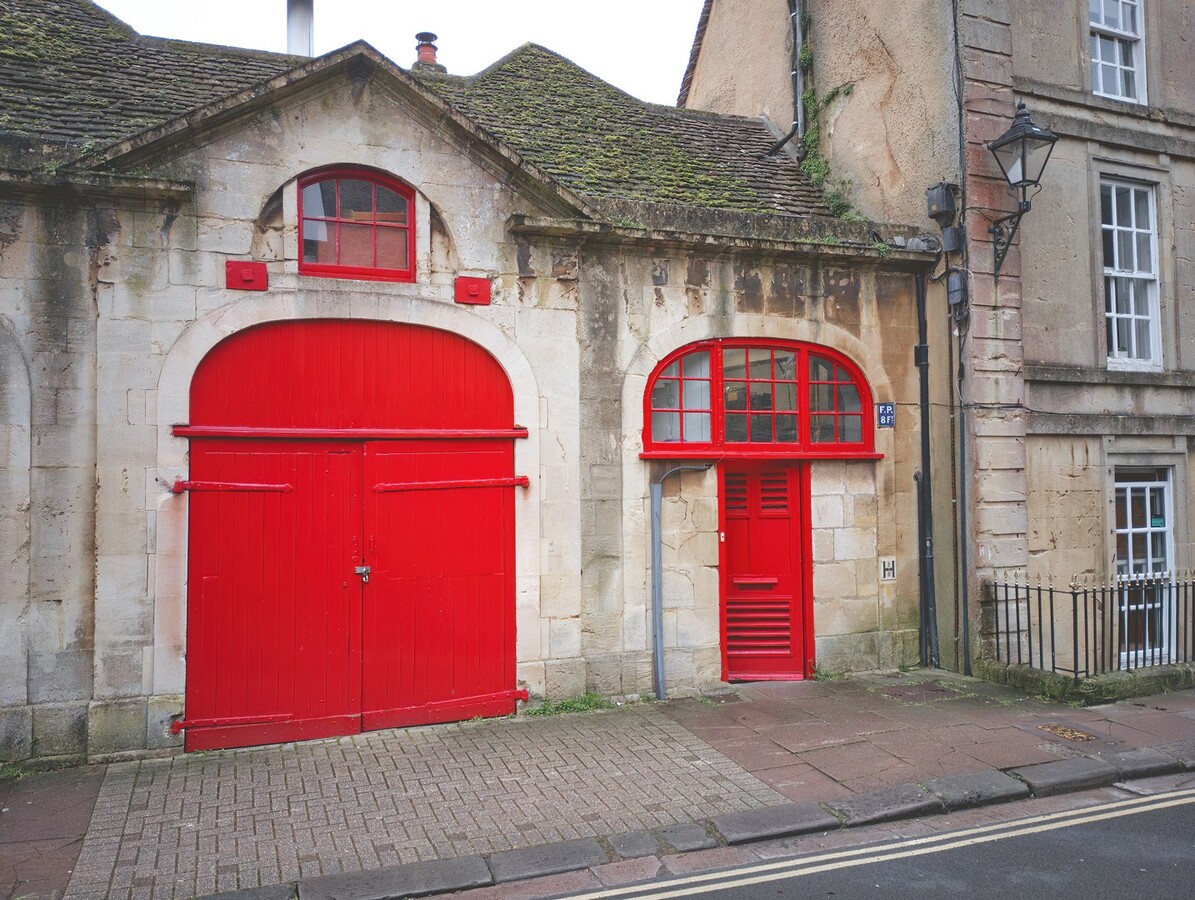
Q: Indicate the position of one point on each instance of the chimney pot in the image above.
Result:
(300, 30)
(426, 49)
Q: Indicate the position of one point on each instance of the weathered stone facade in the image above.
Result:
(1051, 420)
(113, 289)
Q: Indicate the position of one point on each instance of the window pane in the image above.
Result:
(356, 245)
(821, 397)
(319, 245)
(786, 396)
(1157, 509)
(1106, 204)
(734, 363)
(672, 370)
(1095, 67)
(1125, 255)
(850, 429)
(1124, 206)
(1093, 10)
(665, 394)
(1157, 551)
(1122, 548)
(1144, 344)
(697, 428)
(820, 369)
(391, 207)
(1139, 562)
(1144, 219)
(1109, 249)
(786, 429)
(848, 398)
(1145, 261)
(392, 248)
(356, 200)
(761, 362)
(761, 429)
(1112, 13)
(1122, 515)
(697, 395)
(761, 395)
(1130, 81)
(665, 426)
(1122, 346)
(697, 365)
(736, 395)
(320, 199)
(736, 429)
(786, 365)
(821, 429)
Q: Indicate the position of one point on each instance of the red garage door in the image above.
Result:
(351, 533)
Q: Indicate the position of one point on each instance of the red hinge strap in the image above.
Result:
(179, 486)
(516, 481)
(177, 726)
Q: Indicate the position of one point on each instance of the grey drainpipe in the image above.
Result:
(796, 12)
(657, 565)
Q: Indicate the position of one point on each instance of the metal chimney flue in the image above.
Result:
(300, 27)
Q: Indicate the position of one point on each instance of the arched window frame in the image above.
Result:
(377, 179)
(718, 447)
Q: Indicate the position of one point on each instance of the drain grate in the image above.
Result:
(1066, 732)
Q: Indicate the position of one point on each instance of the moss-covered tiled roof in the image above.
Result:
(71, 72)
(603, 143)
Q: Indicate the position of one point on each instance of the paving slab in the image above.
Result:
(774, 822)
(1066, 775)
(902, 802)
(977, 789)
(547, 859)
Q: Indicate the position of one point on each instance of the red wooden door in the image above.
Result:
(765, 552)
(439, 606)
(273, 611)
(326, 445)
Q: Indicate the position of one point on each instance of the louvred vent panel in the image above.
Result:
(773, 492)
(759, 626)
(736, 492)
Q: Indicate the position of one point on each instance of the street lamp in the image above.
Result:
(1022, 153)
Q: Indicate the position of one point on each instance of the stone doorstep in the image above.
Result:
(905, 801)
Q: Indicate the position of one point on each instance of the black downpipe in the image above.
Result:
(795, 14)
(925, 514)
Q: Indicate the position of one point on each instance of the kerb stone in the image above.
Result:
(547, 859)
(902, 802)
(420, 879)
(686, 838)
(1142, 763)
(635, 843)
(977, 789)
(1066, 775)
(274, 892)
(774, 822)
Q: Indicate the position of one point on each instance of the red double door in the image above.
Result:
(342, 583)
(767, 598)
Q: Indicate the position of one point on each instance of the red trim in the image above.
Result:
(179, 486)
(337, 222)
(338, 434)
(804, 447)
(517, 481)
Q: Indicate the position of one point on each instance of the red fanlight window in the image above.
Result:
(356, 223)
(758, 399)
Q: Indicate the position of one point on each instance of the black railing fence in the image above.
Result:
(1092, 625)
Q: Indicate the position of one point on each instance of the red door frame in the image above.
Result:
(803, 540)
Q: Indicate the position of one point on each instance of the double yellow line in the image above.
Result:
(901, 849)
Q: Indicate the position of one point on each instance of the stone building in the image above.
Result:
(333, 394)
(1075, 357)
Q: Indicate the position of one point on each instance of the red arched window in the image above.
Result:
(760, 398)
(356, 223)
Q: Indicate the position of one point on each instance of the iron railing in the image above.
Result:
(1092, 626)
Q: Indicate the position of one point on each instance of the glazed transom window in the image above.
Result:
(356, 223)
(757, 398)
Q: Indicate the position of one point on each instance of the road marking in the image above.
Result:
(901, 849)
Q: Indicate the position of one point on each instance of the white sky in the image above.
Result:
(641, 46)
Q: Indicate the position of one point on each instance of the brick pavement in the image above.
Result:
(202, 823)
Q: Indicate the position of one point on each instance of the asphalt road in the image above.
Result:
(1138, 849)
